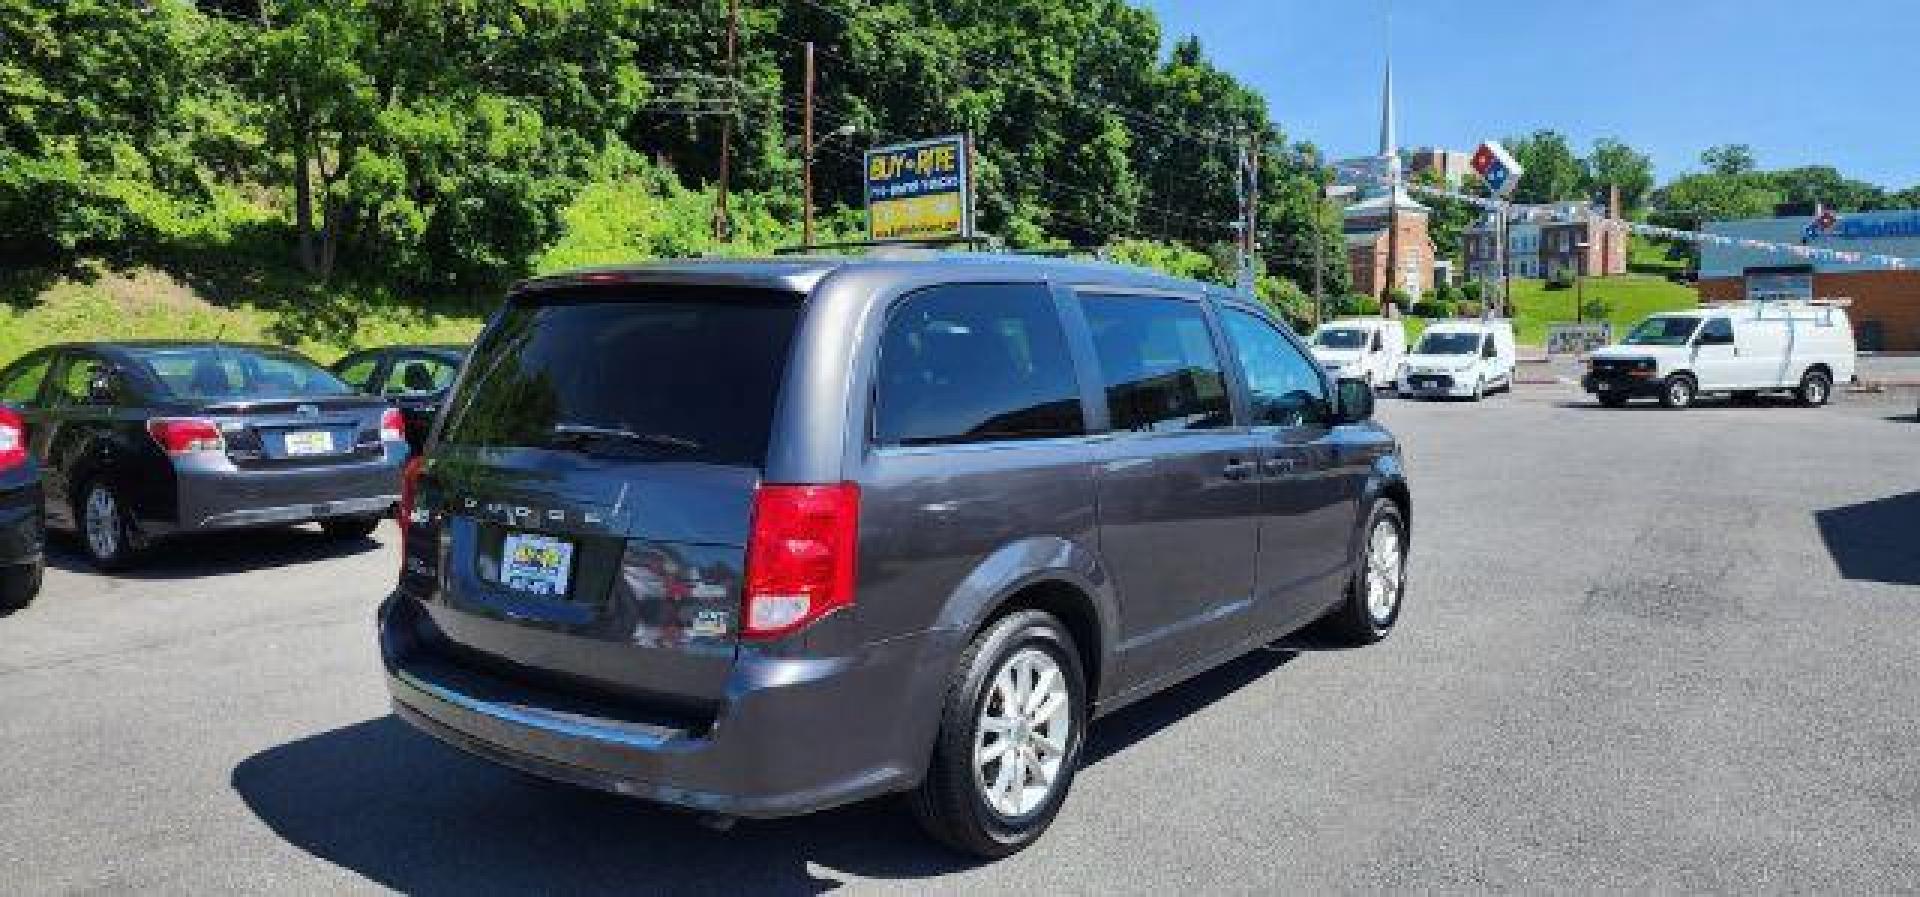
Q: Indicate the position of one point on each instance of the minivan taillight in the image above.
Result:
(800, 557)
(393, 427)
(13, 439)
(186, 435)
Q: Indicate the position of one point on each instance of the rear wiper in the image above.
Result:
(581, 432)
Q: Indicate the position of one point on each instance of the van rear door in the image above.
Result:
(583, 514)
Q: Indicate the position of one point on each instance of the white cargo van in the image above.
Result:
(1369, 349)
(1740, 349)
(1460, 359)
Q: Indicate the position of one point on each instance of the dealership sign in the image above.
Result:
(919, 190)
(1496, 166)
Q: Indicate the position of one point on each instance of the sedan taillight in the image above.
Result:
(13, 439)
(186, 435)
(393, 427)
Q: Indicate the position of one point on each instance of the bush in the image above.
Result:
(1469, 309)
(1401, 299)
(1471, 291)
(1433, 309)
(1359, 305)
(1561, 279)
(1596, 309)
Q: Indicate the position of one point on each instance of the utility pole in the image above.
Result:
(806, 145)
(721, 226)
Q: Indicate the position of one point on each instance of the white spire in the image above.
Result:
(1388, 145)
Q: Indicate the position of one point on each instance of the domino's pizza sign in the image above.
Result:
(1495, 166)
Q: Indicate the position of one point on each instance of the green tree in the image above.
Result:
(1550, 170)
(1615, 164)
(1729, 159)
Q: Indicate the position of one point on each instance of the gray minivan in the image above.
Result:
(757, 538)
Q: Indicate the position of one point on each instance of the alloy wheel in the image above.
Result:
(102, 522)
(1022, 735)
(1386, 566)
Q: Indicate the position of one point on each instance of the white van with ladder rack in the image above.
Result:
(1740, 349)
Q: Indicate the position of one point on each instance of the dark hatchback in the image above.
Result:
(21, 529)
(413, 378)
(757, 538)
(140, 441)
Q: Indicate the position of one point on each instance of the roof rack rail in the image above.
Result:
(926, 243)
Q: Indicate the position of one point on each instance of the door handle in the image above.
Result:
(1281, 465)
(1239, 470)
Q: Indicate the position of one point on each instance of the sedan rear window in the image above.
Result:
(676, 375)
(221, 373)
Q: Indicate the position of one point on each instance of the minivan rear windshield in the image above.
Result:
(220, 373)
(675, 374)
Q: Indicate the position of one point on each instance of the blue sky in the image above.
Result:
(1834, 82)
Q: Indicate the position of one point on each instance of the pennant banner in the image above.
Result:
(1667, 233)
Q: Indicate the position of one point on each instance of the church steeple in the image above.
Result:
(1389, 147)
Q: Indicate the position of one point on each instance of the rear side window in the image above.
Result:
(1157, 360)
(975, 363)
(418, 375)
(670, 374)
(358, 373)
(20, 384)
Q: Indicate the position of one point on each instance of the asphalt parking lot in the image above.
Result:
(1644, 650)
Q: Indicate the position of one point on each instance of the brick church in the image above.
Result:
(1388, 245)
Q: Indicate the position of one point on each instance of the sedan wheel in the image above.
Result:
(103, 528)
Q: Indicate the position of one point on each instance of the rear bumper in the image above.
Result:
(794, 735)
(221, 496)
(22, 529)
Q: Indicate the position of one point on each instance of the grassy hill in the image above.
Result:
(149, 303)
(1629, 298)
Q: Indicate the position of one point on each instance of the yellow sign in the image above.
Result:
(919, 190)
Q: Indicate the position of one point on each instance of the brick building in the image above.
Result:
(1542, 240)
(1886, 302)
(1453, 166)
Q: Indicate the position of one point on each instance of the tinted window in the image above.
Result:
(74, 384)
(418, 375)
(972, 363)
(1157, 363)
(1716, 332)
(20, 385)
(1340, 338)
(358, 371)
(687, 374)
(219, 373)
(1662, 332)
(1284, 387)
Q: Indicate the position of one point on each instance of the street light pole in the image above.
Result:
(1580, 282)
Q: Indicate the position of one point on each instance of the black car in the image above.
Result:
(413, 377)
(143, 440)
(21, 562)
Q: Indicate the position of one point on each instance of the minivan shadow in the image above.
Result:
(395, 806)
(216, 554)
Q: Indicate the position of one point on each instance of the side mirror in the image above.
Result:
(1352, 402)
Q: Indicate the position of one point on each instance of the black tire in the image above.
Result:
(1353, 623)
(1679, 391)
(951, 803)
(1613, 400)
(350, 529)
(19, 585)
(124, 549)
(1814, 390)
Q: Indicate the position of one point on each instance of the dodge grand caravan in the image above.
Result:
(757, 538)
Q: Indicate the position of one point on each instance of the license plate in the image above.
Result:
(1602, 387)
(310, 442)
(535, 564)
